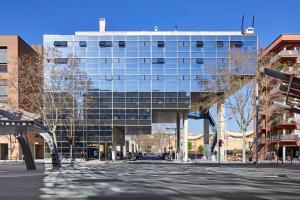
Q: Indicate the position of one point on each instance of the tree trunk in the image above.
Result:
(244, 147)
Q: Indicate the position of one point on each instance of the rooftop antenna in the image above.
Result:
(242, 27)
(252, 22)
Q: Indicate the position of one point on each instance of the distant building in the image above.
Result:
(233, 142)
(279, 131)
(12, 49)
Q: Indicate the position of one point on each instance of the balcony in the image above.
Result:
(279, 123)
(284, 138)
(285, 54)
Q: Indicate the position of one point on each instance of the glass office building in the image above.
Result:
(132, 75)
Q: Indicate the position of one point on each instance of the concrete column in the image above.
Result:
(130, 147)
(133, 148)
(185, 137)
(177, 134)
(113, 152)
(221, 131)
(207, 146)
(284, 153)
(124, 150)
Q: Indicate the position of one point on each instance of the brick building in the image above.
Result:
(279, 131)
(12, 89)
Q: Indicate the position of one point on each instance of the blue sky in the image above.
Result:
(32, 18)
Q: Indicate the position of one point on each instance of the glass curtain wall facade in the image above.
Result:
(130, 76)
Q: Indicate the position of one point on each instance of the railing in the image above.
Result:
(279, 138)
(280, 120)
(284, 53)
(288, 137)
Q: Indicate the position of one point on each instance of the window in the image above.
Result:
(144, 44)
(160, 77)
(158, 61)
(186, 77)
(147, 77)
(3, 68)
(160, 43)
(236, 44)
(60, 43)
(3, 55)
(3, 59)
(105, 43)
(122, 44)
(183, 43)
(199, 78)
(144, 60)
(199, 61)
(116, 60)
(199, 44)
(183, 60)
(219, 44)
(108, 77)
(60, 60)
(3, 87)
(82, 44)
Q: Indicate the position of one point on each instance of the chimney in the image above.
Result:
(102, 24)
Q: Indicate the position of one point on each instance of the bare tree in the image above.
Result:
(241, 99)
(53, 87)
(237, 82)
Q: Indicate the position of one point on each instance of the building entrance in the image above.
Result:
(93, 153)
(105, 151)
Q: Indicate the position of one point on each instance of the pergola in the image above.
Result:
(19, 123)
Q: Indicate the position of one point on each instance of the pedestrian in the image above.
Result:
(82, 156)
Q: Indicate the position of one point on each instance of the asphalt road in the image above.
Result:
(18, 183)
(153, 181)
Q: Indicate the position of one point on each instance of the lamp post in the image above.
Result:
(71, 140)
(277, 150)
(250, 145)
(226, 137)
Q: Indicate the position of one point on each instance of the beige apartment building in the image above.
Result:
(232, 144)
(12, 89)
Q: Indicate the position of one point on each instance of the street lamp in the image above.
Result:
(277, 150)
(226, 137)
(250, 145)
(71, 140)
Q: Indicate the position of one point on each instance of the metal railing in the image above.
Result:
(284, 53)
(279, 138)
(288, 137)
